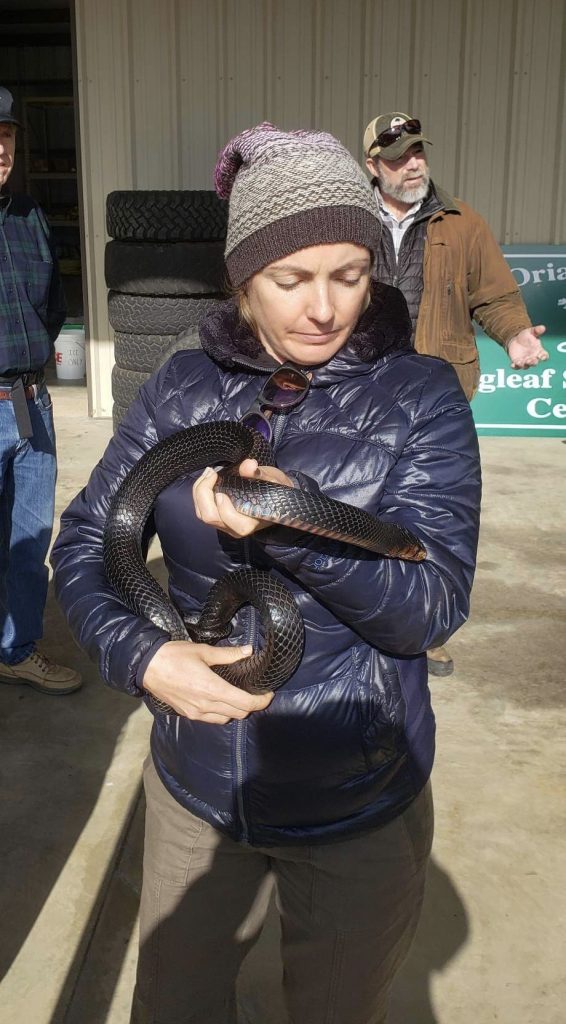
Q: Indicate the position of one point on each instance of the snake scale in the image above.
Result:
(228, 444)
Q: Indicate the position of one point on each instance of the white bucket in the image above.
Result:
(70, 355)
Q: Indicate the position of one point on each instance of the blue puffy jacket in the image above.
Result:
(348, 741)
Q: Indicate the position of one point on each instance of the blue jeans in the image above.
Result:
(28, 470)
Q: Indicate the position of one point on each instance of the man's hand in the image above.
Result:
(525, 348)
(217, 510)
(181, 674)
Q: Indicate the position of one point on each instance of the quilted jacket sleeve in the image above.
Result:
(434, 490)
(96, 617)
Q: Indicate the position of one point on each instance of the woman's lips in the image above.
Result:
(317, 338)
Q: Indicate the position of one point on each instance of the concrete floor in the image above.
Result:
(491, 942)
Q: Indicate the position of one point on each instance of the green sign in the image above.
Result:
(528, 402)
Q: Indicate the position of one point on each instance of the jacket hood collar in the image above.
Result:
(382, 330)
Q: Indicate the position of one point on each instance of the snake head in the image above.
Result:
(411, 553)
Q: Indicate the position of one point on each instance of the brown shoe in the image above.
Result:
(41, 674)
(439, 662)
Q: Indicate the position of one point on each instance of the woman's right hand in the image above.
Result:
(179, 674)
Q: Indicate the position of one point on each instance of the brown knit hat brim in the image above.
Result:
(321, 225)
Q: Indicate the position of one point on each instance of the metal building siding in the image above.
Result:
(164, 83)
(485, 112)
(537, 123)
(107, 163)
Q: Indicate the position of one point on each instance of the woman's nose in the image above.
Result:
(320, 304)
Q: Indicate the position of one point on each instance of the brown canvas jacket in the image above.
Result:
(465, 275)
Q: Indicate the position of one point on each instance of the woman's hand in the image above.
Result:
(217, 510)
(179, 674)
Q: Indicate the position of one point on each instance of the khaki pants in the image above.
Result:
(348, 915)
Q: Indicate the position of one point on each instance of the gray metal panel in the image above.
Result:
(388, 61)
(537, 123)
(484, 136)
(106, 134)
(437, 87)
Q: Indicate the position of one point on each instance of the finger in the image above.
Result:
(525, 362)
(258, 702)
(223, 655)
(213, 719)
(249, 468)
(543, 355)
(225, 699)
(235, 523)
(221, 689)
(205, 482)
(270, 474)
(219, 718)
(539, 329)
(220, 696)
(204, 498)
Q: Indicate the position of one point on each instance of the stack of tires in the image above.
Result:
(164, 270)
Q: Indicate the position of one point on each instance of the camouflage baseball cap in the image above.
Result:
(404, 131)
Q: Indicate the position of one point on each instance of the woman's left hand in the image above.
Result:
(217, 510)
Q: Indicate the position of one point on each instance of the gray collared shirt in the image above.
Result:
(396, 227)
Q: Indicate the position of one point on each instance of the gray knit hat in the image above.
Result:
(288, 191)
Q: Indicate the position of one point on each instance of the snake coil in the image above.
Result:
(228, 444)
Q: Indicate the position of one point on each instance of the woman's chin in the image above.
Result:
(311, 353)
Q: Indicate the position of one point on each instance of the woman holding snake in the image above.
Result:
(322, 789)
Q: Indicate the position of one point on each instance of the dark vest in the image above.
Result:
(406, 270)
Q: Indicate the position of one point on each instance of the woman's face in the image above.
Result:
(306, 305)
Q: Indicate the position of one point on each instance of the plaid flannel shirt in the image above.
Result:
(32, 304)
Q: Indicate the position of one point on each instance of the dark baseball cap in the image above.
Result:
(6, 107)
(402, 138)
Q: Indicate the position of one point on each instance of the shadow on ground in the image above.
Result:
(55, 755)
(442, 932)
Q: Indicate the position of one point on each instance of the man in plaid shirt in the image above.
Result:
(32, 312)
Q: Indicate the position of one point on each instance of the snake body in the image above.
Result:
(228, 444)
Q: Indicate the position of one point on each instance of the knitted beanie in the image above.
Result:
(288, 191)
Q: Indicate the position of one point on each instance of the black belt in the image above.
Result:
(18, 383)
(27, 378)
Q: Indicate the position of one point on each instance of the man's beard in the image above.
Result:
(403, 192)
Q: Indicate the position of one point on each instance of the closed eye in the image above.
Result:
(288, 286)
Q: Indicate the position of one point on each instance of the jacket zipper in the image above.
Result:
(241, 726)
(251, 637)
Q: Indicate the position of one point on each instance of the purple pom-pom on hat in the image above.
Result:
(239, 150)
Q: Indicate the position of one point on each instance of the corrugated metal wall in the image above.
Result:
(164, 83)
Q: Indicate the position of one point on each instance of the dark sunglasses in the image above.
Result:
(390, 135)
(283, 389)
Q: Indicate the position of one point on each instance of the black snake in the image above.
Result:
(229, 443)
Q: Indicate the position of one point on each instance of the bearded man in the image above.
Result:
(442, 255)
